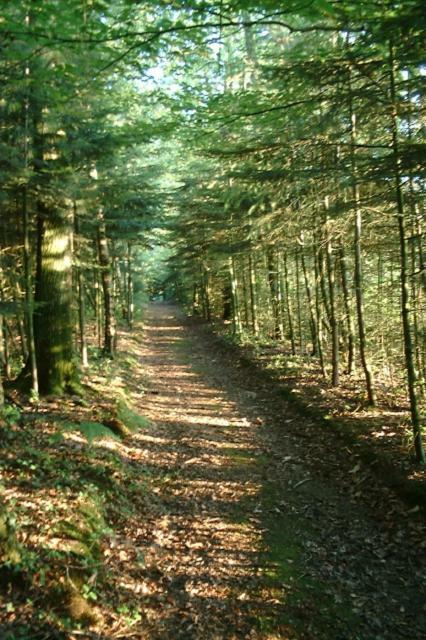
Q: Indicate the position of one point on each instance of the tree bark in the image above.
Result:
(358, 275)
(350, 329)
(207, 312)
(405, 294)
(109, 342)
(253, 297)
(319, 307)
(53, 324)
(311, 305)
(97, 299)
(332, 298)
(245, 296)
(81, 299)
(299, 304)
(130, 291)
(289, 306)
(235, 302)
(273, 292)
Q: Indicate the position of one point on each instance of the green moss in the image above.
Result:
(287, 575)
(239, 456)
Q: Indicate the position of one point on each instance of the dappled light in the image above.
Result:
(212, 320)
(208, 520)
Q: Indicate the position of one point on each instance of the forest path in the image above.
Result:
(247, 538)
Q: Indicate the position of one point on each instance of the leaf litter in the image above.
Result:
(222, 517)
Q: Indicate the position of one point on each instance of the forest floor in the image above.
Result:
(226, 515)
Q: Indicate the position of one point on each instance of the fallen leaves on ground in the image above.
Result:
(222, 517)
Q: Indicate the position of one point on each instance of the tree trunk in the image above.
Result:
(130, 299)
(253, 297)
(311, 305)
(332, 299)
(299, 305)
(28, 280)
(319, 308)
(207, 312)
(22, 338)
(81, 299)
(405, 295)
(29, 297)
(350, 329)
(227, 301)
(235, 302)
(106, 277)
(358, 276)
(322, 285)
(289, 306)
(7, 333)
(53, 324)
(418, 278)
(415, 311)
(97, 301)
(421, 291)
(273, 291)
(245, 297)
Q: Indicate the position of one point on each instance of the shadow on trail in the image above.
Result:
(206, 545)
(222, 527)
(251, 544)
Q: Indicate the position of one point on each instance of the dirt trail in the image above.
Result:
(246, 538)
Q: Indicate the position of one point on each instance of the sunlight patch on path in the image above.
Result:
(201, 449)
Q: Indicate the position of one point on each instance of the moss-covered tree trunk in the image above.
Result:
(53, 323)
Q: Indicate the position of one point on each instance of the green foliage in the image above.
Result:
(11, 414)
(10, 308)
(90, 430)
(86, 527)
(10, 550)
(132, 420)
(131, 615)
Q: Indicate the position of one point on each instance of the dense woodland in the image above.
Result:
(212, 319)
(260, 161)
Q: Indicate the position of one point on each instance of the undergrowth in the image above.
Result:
(68, 491)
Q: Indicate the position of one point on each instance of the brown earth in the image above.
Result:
(266, 531)
(231, 515)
